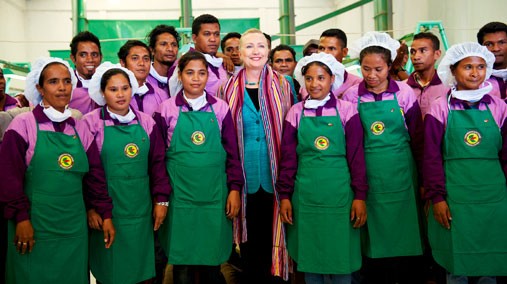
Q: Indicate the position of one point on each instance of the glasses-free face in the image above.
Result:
(138, 61)
(318, 82)
(375, 71)
(470, 73)
(193, 77)
(497, 44)
(87, 59)
(118, 94)
(423, 55)
(166, 49)
(284, 62)
(208, 39)
(254, 50)
(332, 45)
(231, 49)
(56, 86)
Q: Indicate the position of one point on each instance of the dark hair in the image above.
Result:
(41, 77)
(83, 37)
(337, 33)
(426, 35)
(268, 37)
(125, 49)
(227, 37)
(189, 56)
(151, 38)
(384, 52)
(318, 63)
(203, 19)
(280, 48)
(490, 28)
(110, 73)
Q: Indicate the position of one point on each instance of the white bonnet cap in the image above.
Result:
(94, 86)
(458, 52)
(336, 68)
(32, 79)
(374, 39)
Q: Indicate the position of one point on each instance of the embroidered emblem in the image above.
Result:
(198, 137)
(321, 143)
(472, 138)
(65, 161)
(131, 150)
(377, 128)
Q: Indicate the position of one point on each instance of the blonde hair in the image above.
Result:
(250, 31)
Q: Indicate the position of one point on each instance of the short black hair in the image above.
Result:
(161, 29)
(227, 37)
(203, 19)
(426, 35)
(125, 49)
(110, 73)
(490, 28)
(384, 52)
(83, 37)
(337, 33)
(280, 48)
(189, 56)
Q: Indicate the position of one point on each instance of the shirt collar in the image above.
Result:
(40, 117)
(485, 99)
(412, 82)
(391, 88)
(180, 100)
(104, 114)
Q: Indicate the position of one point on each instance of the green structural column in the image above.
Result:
(287, 26)
(186, 18)
(383, 15)
(79, 16)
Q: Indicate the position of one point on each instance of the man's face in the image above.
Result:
(332, 45)
(87, 59)
(231, 49)
(497, 44)
(423, 55)
(138, 61)
(208, 39)
(284, 63)
(166, 49)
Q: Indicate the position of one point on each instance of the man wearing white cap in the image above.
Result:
(49, 162)
(464, 169)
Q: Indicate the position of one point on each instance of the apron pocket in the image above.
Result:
(206, 186)
(128, 200)
(322, 191)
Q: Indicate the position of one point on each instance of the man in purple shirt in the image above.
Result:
(6, 102)
(494, 36)
(86, 55)
(424, 52)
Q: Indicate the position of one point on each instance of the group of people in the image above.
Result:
(292, 167)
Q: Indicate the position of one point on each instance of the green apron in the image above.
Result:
(53, 184)
(131, 258)
(392, 228)
(476, 195)
(198, 231)
(322, 239)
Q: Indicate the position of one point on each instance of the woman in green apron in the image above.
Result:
(322, 182)
(202, 160)
(392, 124)
(49, 162)
(132, 152)
(464, 169)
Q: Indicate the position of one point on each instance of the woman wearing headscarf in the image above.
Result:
(465, 158)
(259, 99)
(49, 162)
(132, 152)
(322, 181)
(393, 129)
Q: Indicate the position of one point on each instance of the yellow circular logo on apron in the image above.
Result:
(131, 150)
(198, 137)
(321, 143)
(377, 128)
(472, 138)
(65, 161)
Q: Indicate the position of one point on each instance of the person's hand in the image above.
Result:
(358, 212)
(23, 240)
(159, 214)
(233, 204)
(286, 211)
(442, 214)
(109, 232)
(94, 219)
(227, 62)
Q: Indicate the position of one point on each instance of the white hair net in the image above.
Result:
(374, 39)
(94, 86)
(32, 79)
(336, 68)
(461, 51)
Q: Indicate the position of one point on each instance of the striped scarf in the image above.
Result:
(275, 102)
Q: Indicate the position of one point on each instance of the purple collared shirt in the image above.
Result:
(160, 87)
(353, 139)
(408, 103)
(81, 100)
(429, 93)
(435, 125)
(17, 152)
(10, 103)
(159, 181)
(149, 102)
(499, 87)
(166, 118)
